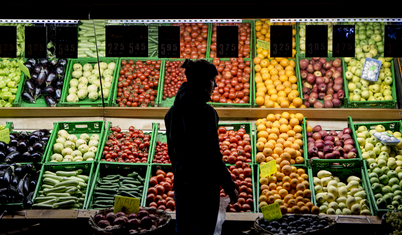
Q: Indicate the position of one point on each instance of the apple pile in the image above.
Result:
(363, 90)
(322, 81)
(369, 39)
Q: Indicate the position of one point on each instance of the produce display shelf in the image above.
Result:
(76, 128)
(168, 102)
(87, 102)
(302, 56)
(87, 169)
(16, 102)
(158, 135)
(345, 169)
(108, 168)
(114, 90)
(353, 135)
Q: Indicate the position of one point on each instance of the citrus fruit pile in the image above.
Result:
(276, 84)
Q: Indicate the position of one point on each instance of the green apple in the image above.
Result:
(353, 69)
(355, 78)
(377, 96)
(366, 48)
(362, 37)
(351, 86)
(356, 97)
(379, 128)
(378, 82)
(386, 92)
(374, 52)
(358, 85)
(377, 38)
(363, 41)
(349, 75)
(360, 55)
(386, 87)
(375, 88)
(381, 75)
(376, 150)
(381, 48)
(357, 92)
(387, 73)
(360, 65)
(397, 134)
(388, 58)
(369, 55)
(365, 94)
(353, 62)
(388, 97)
(358, 72)
(364, 82)
(358, 49)
(347, 59)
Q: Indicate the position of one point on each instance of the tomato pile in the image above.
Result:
(193, 40)
(131, 146)
(235, 145)
(244, 40)
(233, 81)
(161, 153)
(138, 83)
(174, 77)
(160, 193)
(241, 175)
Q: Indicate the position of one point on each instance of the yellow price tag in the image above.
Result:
(263, 44)
(5, 136)
(271, 212)
(128, 205)
(268, 168)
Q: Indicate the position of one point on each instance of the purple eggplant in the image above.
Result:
(30, 87)
(57, 95)
(50, 101)
(36, 156)
(2, 155)
(13, 142)
(45, 138)
(37, 68)
(45, 68)
(38, 145)
(23, 135)
(50, 78)
(60, 69)
(12, 157)
(38, 92)
(32, 61)
(41, 78)
(30, 149)
(49, 90)
(33, 138)
(26, 157)
(3, 146)
(14, 135)
(22, 146)
(34, 78)
(29, 66)
(43, 61)
(54, 63)
(11, 149)
(62, 62)
(59, 83)
(28, 97)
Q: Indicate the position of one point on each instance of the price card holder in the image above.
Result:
(5, 135)
(169, 41)
(8, 41)
(316, 41)
(66, 42)
(271, 212)
(115, 40)
(35, 42)
(268, 168)
(128, 205)
(343, 44)
(281, 41)
(393, 41)
(227, 41)
(137, 41)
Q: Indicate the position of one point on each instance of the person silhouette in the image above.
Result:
(193, 148)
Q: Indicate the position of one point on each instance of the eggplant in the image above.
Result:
(28, 65)
(41, 78)
(12, 157)
(32, 185)
(28, 200)
(62, 62)
(20, 188)
(27, 179)
(23, 135)
(32, 61)
(3, 146)
(4, 166)
(50, 101)
(30, 87)
(54, 62)
(3, 190)
(26, 157)
(59, 84)
(38, 92)
(44, 132)
(36, 156)
(2, 156)
(30, 149)
(60, 69)
(48, 91)
(57, 95)
(37, 133)
(19, 171)
(14, 179)
(45, 69)
(7, 176)
(11, 149)
(22, 146)
(34, 137)
(34, 78)
(3, 198)
(43, 61)
(13, 142)
(12, 190)
(38, 145)
(37, 68)
(50, 78)
(28, 97)
(14, 135)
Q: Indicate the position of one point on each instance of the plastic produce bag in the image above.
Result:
(223, 204)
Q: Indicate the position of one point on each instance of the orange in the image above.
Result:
(293, 183)
(262, 204)
(271, 199)
(295, 146)
(280, 175)
(294, 169)
(283, 192)
(287, 198)
(300, 187)
(309, 129)
(262, 198)
(291, 202)
(299, 193)
(300, 171)
(278, 150)
(272, 186)
(262, 139)
(292, 63)
(260, 157)
(260, 146)
(292, 79)
(299, 160)
(264, 180)
(284, 62)
(297, 102)
(284, 104)
(286, 156)
(297, 129)
(264, 186)
(315, 210)
(284, 163)
(272, 179)
(283, 208)
(284, 128)
(286, 170)
(304, 210)
(277, 196)
(307, 193)
(300, 179)
(304, 176)
(299, 116)
(257, 60)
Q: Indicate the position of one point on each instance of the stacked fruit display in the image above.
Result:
(160, 192)
(161, 153)
(174, 77)
(276, 83)
(369, 39)
(193, 40)
(235, 146)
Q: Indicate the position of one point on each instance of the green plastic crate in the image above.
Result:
(298, 37)
(109, 168)
(346, 168)
(158, 135)
(349, 125)
(302, 56)
(87, 102)
(20, 87)
(168, 102)
(40, 102)
(87, 169)
(380, 104)
(106, 134)
(118, 66)
(257, 202)
(304, 138)
(77, 128)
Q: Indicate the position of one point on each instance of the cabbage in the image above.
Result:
(76, 153)
(111, 66)
(72, 138)
(92, 149)
(72, 98)
(58, 147)
(80, 142)
(86, 74)
(61, 140)
(106, 85)
(85, 137)
(83, 80)
(77, 67)
(92, 88)
(106, 93)
(69, 144)
(108, 79)
(88, 155)
(87, 67)
(66, 151)
(93, 96)
(73, 82)
(94, 137)
(62, 133)
(107, 72)
(83, 148)
(93, 143)
(77, 74)
(72, 90)
(82, 94)
(103, 65)
(82, 86)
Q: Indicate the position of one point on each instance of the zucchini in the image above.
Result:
(64, 203)
(90, 54)
(69, 173)
(55, 177)
(67, 183)
(59, 194)
(49, 172)
(42, 199)
(84, 177)
(61, 189)
(104, 194)
(50, 181)
(111, 177)
(103, 198)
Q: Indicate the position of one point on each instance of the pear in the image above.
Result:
(350, 202)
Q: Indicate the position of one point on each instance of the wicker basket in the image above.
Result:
(101, 231)
(160, 214)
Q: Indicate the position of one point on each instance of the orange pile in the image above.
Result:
(288, 187)
(279, 138)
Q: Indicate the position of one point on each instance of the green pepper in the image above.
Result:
(11, 84)
(2, 72)
(11, 99)
(3, 84)
(2, 102)
(8, 104)
(13, 90)
(381, 203)
(6, 95)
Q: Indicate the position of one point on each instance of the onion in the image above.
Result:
(303, 63)
(317, 128)
(318, 105)
(310, 78)
(317, 66)
(319, 80)
(310, 68)
(329, 138)
(333, 133)
(316, 136)
(337, 62)
(303, 74)
(309, 134)
(317, 73)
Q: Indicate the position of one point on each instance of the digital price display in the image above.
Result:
(8, 41)
(343, 41)
(392, 41)
(35, 42)
(66, 42)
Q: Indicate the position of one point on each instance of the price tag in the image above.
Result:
(137, 41)
(392, 41)
(8, 41)
(169, 41)
(227, 41)
(343, 44)
(128, 205)
(5, 135)
(126, 41)
(281, 41)
(115, 40)
(271, 212)
(316, 40)
(263, 44)
(66, 42)
(268, 168)
(35, 42)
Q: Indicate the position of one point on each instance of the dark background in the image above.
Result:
(193, 9)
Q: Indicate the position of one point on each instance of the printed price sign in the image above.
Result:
(137, 41)
(268, 168)
(271, 212)
(115, 40)
(66, 42)
(5, 135)
(263, 44)
(8, 41)
(35, 42)
(169, 41)
(281, 41)
(392, 41)
(316, 40)
(343, 44)
(227, 41)
(128, 205)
